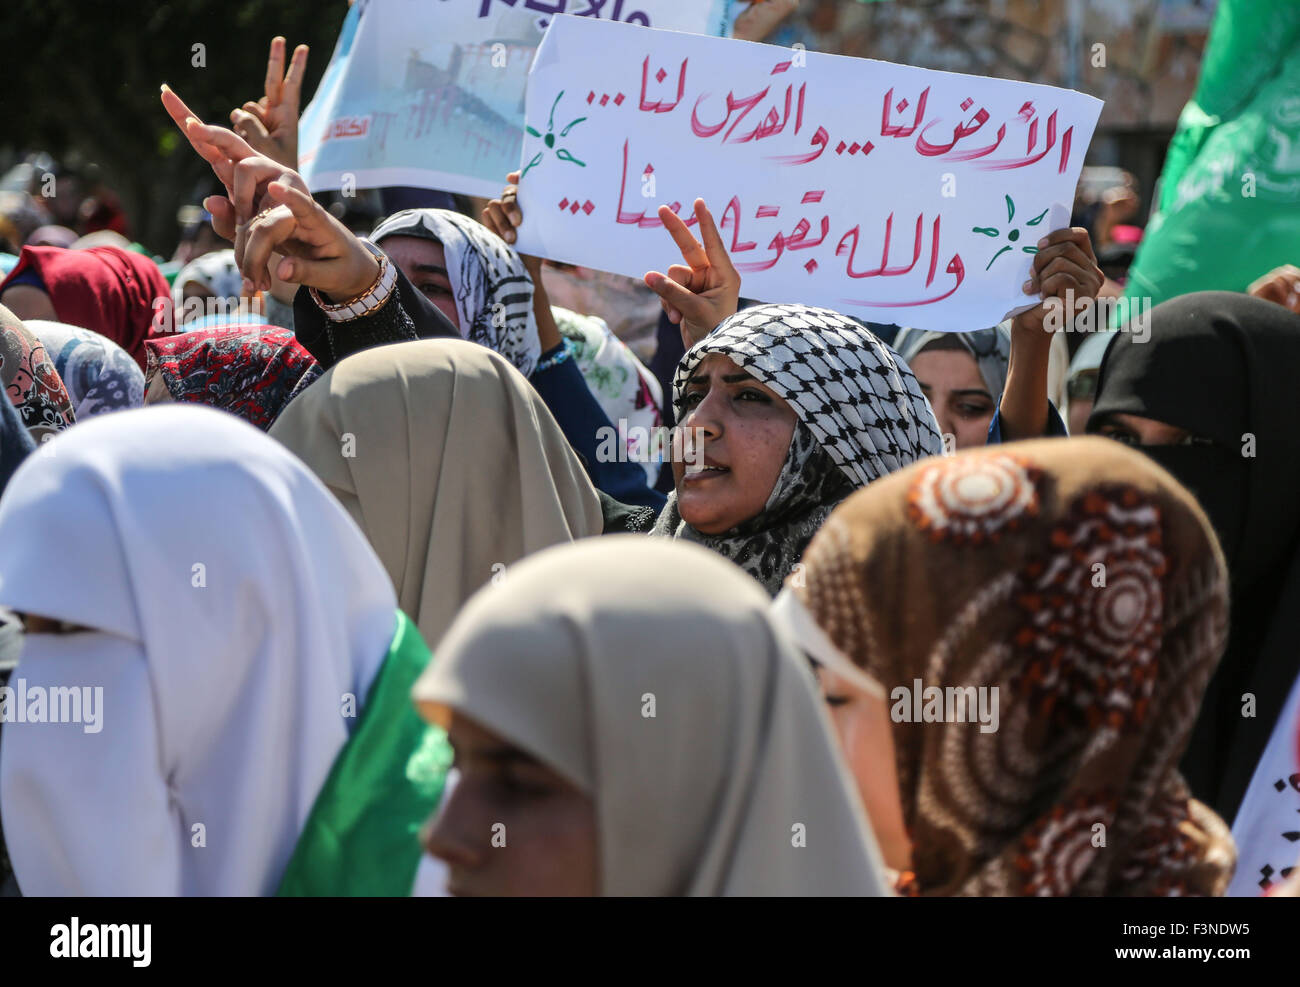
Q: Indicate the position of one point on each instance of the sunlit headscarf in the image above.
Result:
(491, 287)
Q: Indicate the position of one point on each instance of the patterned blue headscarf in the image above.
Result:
(100, 376)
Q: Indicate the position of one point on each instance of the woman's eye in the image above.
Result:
(973, 410)
(1120, 435)
(752, 395)
(836, 700)
(434, 290)
(518, 787)
(692, 398)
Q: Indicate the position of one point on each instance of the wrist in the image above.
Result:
(1030, 333)
(363, 280)
(371, 298)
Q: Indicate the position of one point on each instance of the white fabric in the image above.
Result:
(223, 704)
(789, 613)
(1267, 827)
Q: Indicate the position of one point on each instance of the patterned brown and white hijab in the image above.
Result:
(1084, 585)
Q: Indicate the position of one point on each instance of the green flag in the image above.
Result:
(1229, 208)
(362, 835)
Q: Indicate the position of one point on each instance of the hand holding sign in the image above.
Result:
(1065, 272)
(702, 294)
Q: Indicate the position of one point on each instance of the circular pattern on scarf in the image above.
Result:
(972, 499)
(1165, 853)
(1057, 850)
(1093, 612)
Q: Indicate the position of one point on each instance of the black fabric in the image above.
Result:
(621, 519)
(415, 317)
(1222, 365)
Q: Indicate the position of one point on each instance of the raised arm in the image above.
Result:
(1065, 270)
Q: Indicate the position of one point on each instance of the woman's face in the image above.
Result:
(424, 262)
(737, 435)
(1137, 430)
(957, 393)
(512, 826)
(862, 723)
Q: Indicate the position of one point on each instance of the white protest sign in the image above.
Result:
(430, 93)
(886, 192)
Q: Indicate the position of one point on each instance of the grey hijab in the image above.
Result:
(990, 348)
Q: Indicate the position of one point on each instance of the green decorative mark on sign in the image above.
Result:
(549, 139)
(1013, 234)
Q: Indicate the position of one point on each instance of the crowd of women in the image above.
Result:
(365, 604)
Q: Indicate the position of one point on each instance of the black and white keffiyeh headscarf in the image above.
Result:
(492, 289)
(861, 415)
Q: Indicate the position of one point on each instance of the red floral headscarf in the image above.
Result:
(249, 370)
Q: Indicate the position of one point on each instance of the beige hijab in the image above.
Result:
(649, 674)
(448, 460)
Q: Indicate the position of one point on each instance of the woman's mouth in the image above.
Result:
(704, 471)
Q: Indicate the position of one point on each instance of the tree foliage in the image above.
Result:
(89, 72)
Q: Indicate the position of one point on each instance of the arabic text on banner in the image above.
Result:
(886, 192)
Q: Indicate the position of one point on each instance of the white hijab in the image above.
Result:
(235, 607)
(733, 786)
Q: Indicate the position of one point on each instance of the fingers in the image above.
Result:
(1075, 258)
(176, 108)
(306, 210)
(685, 302)
(234, 147)
(256, 109)
(1072, 234)
(291, 92)
(512, 178)
(275, 71)
(265, 236)
(651, 279)
(691, 280)
(1281, 286)
(1064, 275)
(223, 216)
(249, 128)
(222, 166)
(301, 270)
(496, 220)
(251, 176)
(265, 233)
(693, 251)
(510, 202)
(713, 245)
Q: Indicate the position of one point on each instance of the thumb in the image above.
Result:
(685, 302)
(223, 216)
(300, 270)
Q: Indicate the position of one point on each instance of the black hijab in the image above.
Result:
(1224, 366)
